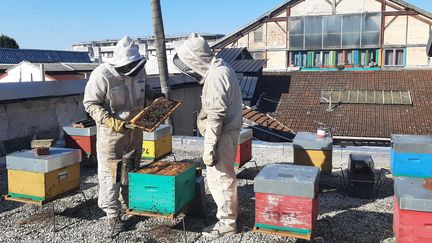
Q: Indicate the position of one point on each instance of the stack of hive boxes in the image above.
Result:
(81, 138)
(244, 149)
(286, 199)
(158, 143)
(162, 187)
(41, 178)
(411, 163)
(311, 150)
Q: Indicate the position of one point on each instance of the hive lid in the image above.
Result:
(28, 161)
(160, 132)
(411, 195)
(77, 131)
(245, 135)
(310, 141)
(420, 144)
(288, 179)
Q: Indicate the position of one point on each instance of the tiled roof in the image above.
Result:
(264, 120)
(15, 56)
(300, 109)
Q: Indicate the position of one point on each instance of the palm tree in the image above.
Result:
(160, 46)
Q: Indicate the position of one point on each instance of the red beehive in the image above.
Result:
(412, 226)
(286, 200)
(292, 214)
(412, 217)
(244, 149)
(81, 138)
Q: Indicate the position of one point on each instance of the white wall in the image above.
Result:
(24, 72)
(20, 121)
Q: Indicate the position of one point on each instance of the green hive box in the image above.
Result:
(160, 191)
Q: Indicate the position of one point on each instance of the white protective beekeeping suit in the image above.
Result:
(111, 95)
(219, 121)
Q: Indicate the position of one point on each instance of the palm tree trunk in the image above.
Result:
(159, 34)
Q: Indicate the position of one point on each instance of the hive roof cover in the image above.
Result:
(288, 179)
(411, 195)
(421, 144)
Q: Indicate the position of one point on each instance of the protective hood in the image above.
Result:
(196, 54)
(126, 52)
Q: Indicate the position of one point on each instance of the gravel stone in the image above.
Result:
(341, 218)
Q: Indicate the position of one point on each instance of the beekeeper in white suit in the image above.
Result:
(219, 122)
(115, 93)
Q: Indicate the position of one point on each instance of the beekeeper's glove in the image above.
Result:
(209, 157)
(116, 124)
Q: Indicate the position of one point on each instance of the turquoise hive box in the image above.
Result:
(163, 188)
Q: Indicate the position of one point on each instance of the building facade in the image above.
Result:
(337, 34)
(101, 51)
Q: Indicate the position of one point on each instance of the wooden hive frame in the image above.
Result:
(140, 115)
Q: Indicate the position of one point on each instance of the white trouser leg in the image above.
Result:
(108, 192)
(221, 179)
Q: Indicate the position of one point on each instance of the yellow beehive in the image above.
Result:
(312, 150)
(41, 186)
(318, 158)
(158, 143)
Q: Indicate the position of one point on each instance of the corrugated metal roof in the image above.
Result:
(6, 66)
(248, 85)
(10, 92)
(82, 66)
(15, 56)
(413, 7)
(152, 67)
(229, 55)
(53, 67)
(248, 66)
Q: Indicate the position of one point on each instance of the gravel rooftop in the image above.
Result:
(341, 218)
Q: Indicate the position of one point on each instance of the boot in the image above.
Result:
(116, 226)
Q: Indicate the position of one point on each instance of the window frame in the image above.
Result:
(394, 57)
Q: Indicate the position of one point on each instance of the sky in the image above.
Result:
(57, 24)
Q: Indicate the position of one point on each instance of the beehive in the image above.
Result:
(40, 178)
(244, 149)
(311, 150)
(411, 155)
(158, 143)
(412, 218)
(287, 199)
(81, 138)
(162, 187)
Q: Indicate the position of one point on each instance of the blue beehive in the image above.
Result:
(411, 156)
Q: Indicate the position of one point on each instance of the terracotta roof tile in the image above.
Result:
(300, 109)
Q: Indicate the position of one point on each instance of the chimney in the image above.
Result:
(42, 72)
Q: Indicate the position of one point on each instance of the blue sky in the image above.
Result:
(50, 24)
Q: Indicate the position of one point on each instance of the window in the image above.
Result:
(394, 57)
(296, 59)
(317, 59)
(258, 35)
(339, 58)
(326, 59)
(296, 33)
(399, 57)
(335, 31)
(383, 97)
(349, 57)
